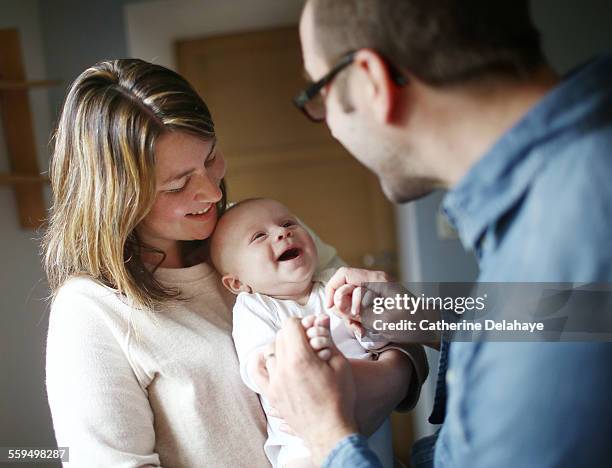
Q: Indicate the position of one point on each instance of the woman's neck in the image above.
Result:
(178, 254)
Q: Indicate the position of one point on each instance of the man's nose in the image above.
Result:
(208, 189)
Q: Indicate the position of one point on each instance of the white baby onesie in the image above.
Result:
(256, 320)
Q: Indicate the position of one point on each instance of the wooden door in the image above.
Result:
(248, 81)
(272, 150)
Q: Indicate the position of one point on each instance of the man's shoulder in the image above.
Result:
(575, 184)
(582, 156)
(561, 228)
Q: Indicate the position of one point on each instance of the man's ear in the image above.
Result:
(381, 93)
(234, 285)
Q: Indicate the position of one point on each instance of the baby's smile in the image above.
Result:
(290, 253)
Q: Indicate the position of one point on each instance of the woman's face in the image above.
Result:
(188, 172)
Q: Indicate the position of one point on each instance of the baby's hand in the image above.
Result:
(317, 330)
(354, 325)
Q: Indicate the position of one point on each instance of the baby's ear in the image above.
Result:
(234, 285)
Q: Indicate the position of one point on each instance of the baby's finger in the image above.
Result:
(320, 342)
(324, 354)
(313, 332)
(322, 320)
(356, 301)
(343, 299)
(308, 321)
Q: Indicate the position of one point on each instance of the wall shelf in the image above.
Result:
(6, 85)
(16, 119)
(11, 178)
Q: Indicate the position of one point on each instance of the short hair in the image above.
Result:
(217, 258)
(440, 42)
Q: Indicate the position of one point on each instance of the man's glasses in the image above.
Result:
(311, 102)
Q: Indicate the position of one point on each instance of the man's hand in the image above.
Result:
(315, 397)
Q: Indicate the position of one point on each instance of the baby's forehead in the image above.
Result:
(257, 209)
(253, 213)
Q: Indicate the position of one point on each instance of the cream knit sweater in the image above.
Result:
(130, 388)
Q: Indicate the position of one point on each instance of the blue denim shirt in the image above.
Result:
(537, 207)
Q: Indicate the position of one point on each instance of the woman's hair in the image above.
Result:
(103, 173)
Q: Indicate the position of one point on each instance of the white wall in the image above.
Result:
(24, 414)
(152, 27)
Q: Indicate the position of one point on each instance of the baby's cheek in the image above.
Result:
(309, 242)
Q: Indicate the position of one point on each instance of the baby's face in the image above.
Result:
(267, 248)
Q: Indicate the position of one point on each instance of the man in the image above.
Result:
(457, 95)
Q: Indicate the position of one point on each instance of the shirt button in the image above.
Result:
(450, 376)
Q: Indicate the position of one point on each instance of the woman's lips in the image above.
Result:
(204, 216)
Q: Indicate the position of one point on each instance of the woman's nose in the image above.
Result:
(207, 190)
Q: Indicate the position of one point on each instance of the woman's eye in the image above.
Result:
(178, 189)
(210, 161)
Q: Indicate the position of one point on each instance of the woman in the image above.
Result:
(141, 368)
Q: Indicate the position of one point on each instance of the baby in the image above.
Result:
(269, 259)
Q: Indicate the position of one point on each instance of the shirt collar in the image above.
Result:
(500, 178)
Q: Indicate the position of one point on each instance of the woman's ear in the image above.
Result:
(234, 285)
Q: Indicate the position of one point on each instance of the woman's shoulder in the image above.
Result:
(83, 288)
(83, 302)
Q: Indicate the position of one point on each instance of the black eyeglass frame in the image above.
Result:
(315, 88)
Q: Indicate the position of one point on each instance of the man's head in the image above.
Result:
(259, 246)
(439, 45)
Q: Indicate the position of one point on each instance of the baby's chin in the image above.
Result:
(285, 287)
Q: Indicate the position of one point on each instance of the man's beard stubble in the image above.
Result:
(400, 173)
(401, 178)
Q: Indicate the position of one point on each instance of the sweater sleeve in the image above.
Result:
(416, 354)
(99, 409)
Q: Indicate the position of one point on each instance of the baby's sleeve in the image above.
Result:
(371, 343)
(254, 326)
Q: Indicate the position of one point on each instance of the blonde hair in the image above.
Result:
(103, 173)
